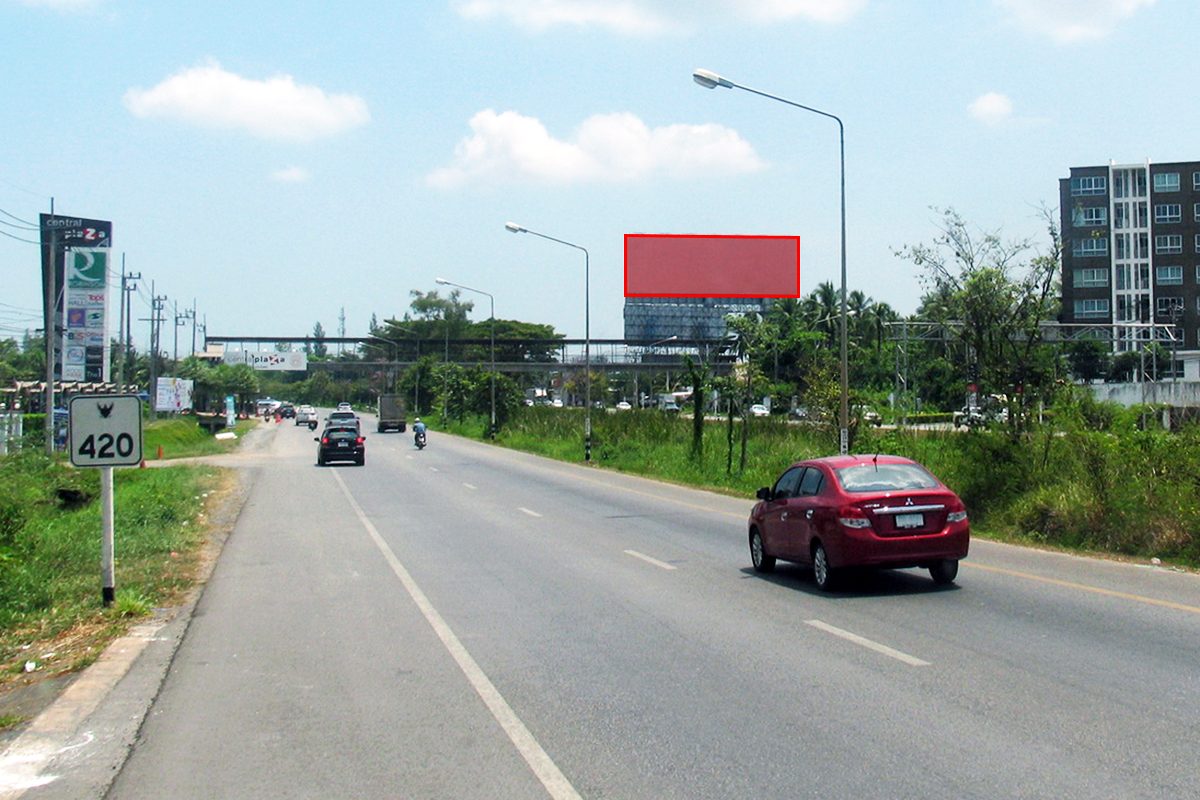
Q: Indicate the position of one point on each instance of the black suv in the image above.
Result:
(341, 443)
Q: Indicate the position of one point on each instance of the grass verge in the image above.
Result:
(52, 619)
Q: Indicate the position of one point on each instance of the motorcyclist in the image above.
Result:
(418, 430)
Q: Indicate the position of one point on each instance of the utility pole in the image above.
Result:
(124, 335)
(157, 304)
(180, 319)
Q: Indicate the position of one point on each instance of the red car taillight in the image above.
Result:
(853, 517)
(359, 440)
(957, 513)
(324, 440)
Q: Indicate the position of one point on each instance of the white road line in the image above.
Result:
(433, 469)
(912, 661)
(649, 560)
(470, 486)
(527, 511)
(557, 785)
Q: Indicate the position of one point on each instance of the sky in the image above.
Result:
(279, 165)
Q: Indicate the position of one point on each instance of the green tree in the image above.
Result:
(992, 298)
(319, 348)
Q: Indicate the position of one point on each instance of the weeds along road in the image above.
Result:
(468, 622)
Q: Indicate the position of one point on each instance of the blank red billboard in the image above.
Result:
(711, 266)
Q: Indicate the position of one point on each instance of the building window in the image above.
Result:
(1169, 276)
(1164, 306)
(1196, 212)
(1198, 242)
(1090, 216)
(1081, 187)
(1165, 245)
(1092, 246)
(1166, 182)
(1196, 180)
(1090, 309)
(1092, 278)
(1168, 212)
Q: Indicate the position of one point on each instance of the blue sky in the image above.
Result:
(277, 163)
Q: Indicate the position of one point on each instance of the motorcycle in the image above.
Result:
(420, 440)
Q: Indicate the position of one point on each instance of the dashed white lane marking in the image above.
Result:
(912, 661)
(552, 778)
(527, 511)
(649, 560)
(470, 486)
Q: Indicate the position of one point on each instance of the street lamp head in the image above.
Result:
(441, 280)
(514, 227)
(710, 80)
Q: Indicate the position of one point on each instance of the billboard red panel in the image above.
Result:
(711, 266)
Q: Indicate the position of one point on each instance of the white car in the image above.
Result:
(306, 415)
(759, 410)
(623, 406)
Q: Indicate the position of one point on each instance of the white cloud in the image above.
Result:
(1068, 21)
(610, 148)
(646, 17)
(991, 108)
(290, 175)
(275, 108)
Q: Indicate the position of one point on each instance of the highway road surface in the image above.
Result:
(469, 622)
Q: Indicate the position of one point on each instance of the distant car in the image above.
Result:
(624, 406)
(859, 511)
(556, 403)
(759, 410)
(870, 416)
(286, 411)
(343, 418)
(306, 415)
(345, 407)
(671, 408)
(341, 443)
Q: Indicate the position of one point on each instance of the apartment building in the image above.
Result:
(1131, 257)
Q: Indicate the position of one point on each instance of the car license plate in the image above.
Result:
(347, 444)
(910, 520)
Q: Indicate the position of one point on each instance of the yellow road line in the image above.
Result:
(1137, 598)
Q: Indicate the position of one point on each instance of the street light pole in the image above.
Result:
(711, 80)
(587, 334)
(492, 301)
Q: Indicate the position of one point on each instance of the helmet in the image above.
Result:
(418, 419)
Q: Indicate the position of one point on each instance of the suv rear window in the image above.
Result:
(341, 433)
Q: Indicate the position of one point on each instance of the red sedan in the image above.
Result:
(859, 511)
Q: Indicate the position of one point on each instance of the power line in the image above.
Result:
(18, 238)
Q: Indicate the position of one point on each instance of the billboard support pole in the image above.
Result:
(51, 324)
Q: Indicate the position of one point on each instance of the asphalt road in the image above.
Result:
(469, 622)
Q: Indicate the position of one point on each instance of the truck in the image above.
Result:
(392, 416)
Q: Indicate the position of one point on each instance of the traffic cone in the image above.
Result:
(160, 452)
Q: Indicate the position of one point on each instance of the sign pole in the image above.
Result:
(105, 432)
(107, 560)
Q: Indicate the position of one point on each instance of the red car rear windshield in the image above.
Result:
(885, 478)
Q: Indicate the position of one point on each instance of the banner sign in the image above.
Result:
(78, 286)
(268, 360)
(173, 394)
(85, 312)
